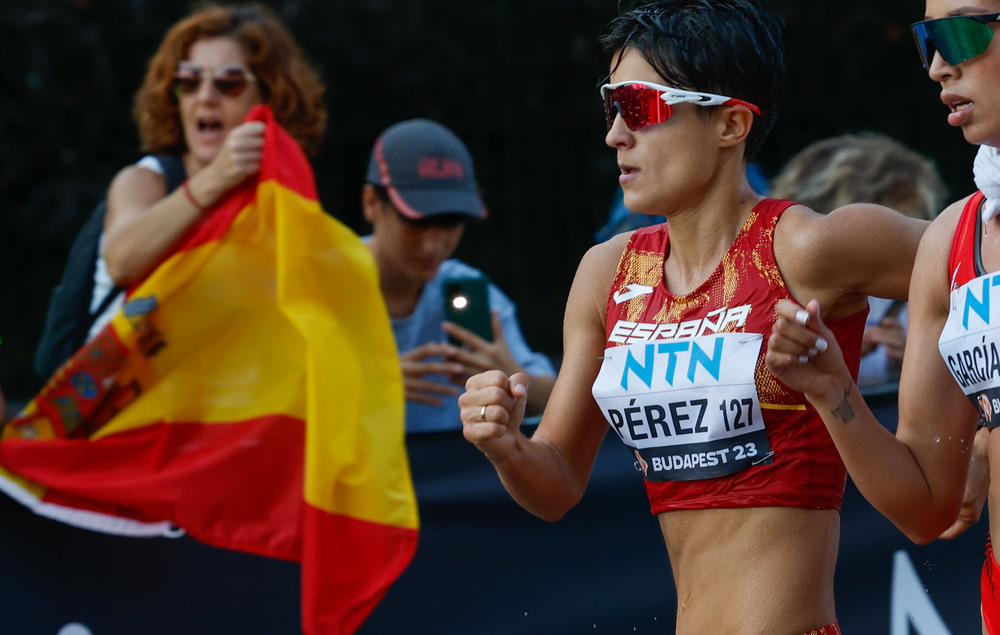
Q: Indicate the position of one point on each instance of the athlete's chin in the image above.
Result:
(636, 202)
(975, 135)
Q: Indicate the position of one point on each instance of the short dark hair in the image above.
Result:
(728, 47)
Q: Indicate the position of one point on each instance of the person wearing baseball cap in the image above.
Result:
(420, 191)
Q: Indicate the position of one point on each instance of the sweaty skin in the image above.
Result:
(745, 570)
(917, 478)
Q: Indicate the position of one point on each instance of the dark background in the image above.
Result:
(516, 79)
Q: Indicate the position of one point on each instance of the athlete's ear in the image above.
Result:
(734, 125)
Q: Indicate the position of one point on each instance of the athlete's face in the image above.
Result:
(664, 166)
(970, 89)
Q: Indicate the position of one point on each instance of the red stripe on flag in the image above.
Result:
(235, 485)
(350, 567)
(242, 484)
(282, 161)
(286, 163)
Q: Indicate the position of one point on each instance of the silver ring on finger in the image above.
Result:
(482, 413)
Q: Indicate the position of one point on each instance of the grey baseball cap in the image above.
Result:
(426, 169)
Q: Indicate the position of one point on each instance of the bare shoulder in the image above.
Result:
(136, 175)
(797, 236)
(796, 219)
(598, 266)
(942, 228)
(834, 256)
(135, 182)
(805, 233)
(586, 306)
(931, 268)
(133, 190)
(608, 251)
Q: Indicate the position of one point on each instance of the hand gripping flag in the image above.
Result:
(248, 393)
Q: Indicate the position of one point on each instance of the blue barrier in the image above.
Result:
(484, 566)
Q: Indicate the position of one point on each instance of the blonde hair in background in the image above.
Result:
(862, 168)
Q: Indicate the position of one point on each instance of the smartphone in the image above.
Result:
(467, 304)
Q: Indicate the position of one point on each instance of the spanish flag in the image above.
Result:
(248, 394)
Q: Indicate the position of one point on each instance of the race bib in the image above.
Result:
(688, 407)
(968, 344)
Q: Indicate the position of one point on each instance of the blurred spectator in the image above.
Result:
(420, 191)
(867, 168)
(209, 71)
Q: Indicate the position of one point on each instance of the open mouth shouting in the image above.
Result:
(210, 129)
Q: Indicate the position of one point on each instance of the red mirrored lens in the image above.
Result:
(639, 106)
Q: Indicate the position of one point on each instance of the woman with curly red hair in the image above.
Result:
(210, 70)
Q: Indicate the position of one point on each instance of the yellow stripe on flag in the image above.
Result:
(249, 392)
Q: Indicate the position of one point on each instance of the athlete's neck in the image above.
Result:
(701, 236)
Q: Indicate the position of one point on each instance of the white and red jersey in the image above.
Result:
(970, 339)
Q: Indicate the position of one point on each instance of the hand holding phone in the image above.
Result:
(467, 304)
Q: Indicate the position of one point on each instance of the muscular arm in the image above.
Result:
(538, 396)
(937, 424)
(917, 477)
(547, 474)
(845, 256)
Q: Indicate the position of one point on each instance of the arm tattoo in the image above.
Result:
(844, 412)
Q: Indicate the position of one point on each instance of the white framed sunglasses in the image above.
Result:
(229, 79)
(642, 103)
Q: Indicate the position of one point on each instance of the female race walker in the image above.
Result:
(665, 327)
(950, 382)
(210, 70)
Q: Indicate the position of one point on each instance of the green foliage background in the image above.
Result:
(516, 79)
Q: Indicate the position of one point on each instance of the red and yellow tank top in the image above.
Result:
(683, 381)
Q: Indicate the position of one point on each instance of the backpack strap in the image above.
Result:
(68, 318)
(173, 170)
